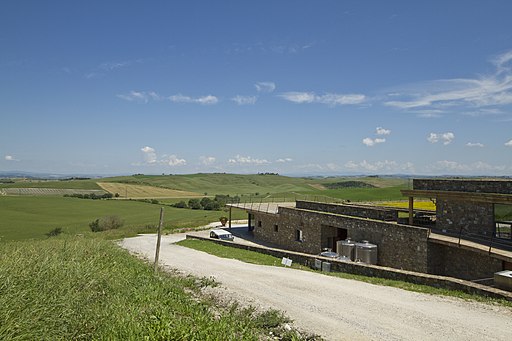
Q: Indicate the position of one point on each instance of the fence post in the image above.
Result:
(159, 237)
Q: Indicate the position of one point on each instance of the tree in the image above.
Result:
(194, 204)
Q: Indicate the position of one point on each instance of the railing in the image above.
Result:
(270, 203)
(490, 240)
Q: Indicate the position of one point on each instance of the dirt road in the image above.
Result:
(335, 308)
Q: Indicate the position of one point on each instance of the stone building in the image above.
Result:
(457, 243)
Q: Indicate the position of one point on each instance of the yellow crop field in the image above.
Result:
(418, 205)
(142, 192)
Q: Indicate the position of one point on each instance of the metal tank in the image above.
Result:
(346, 248)
(366, 252)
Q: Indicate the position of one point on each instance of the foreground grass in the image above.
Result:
(264, 259)
(90, 289)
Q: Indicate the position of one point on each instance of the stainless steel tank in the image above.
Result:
(346, 248)
(366, 252)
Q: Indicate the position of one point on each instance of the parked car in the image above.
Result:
(221, 234)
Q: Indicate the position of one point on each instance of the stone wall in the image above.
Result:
(399, 246)
(372, 212)
(466, 185)
(464, 216)
(460, 263)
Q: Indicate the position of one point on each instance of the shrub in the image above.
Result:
(181, 204)
(194, 204)
(55, 232)
(106, 223)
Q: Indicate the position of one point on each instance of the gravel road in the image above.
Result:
(335, 308)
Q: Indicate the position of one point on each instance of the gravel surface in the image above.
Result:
(335, 308)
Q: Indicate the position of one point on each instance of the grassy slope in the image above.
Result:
(32, 217)
(388, 188)
(89, 289)
(68, 184)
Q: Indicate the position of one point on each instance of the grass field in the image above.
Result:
(144, 191)
(32, 217)
(90, 289)
(67, 184)
(271, 185)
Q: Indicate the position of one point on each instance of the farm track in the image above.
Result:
(335, 308)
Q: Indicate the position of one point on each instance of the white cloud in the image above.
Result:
(247, 160)
(284, 160)
(509, 143)
(174, 161)
(244, 100)
(379, 166)
(328, 99)
(138, 96)
(371, 142)
(473, 168)
(446, 138)
(205, 100)
(474, 144)
(149, 154)
(10, 158)
(266, 87)
(207, 160)
(382, 131)
(489, 90)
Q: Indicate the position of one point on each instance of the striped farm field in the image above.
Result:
(142, 191)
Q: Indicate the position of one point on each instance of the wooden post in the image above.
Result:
(230, 217)
(411, 210)
(159, 237)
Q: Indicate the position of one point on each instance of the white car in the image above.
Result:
(221, 234)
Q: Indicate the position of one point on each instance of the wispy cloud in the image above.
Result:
(328, 98)
(204, 100)
(461, 168)
(446, 138)
(379, 131)
(379, 166)
(145, 97)
(173, 161)
(474, 144)
(10, 158)
(265, 86)
(382, 131)
(135, 96)
(372, 142)
(244, 100)
(150, 157)
(247, 160)
(485, 91)
(284, 160)
(207, 160)
(509, 143)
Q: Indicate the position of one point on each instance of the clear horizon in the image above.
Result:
(291, 87)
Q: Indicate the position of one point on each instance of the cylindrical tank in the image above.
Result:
(346, 248)
(366, 252)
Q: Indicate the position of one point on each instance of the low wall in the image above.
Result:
(375, 271)
(464, 185)
(371, 212)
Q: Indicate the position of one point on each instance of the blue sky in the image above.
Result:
(295, 87)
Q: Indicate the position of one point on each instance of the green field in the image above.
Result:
(32, 217)
(24, 217)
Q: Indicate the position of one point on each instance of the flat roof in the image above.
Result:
(491, 198)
